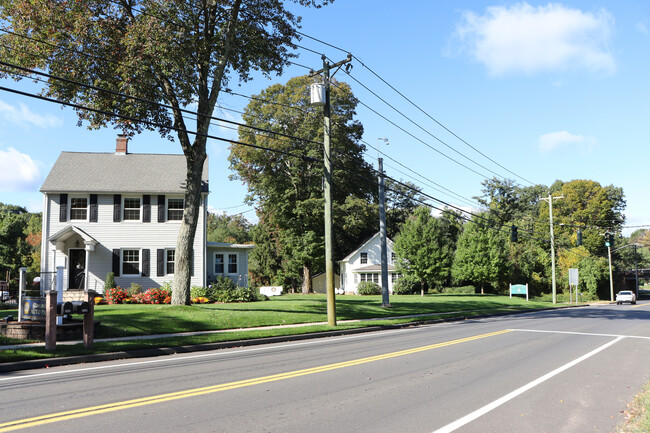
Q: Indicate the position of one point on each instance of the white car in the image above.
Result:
(625, 296)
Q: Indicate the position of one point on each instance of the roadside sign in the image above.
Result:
(519, 289)
(573, 277)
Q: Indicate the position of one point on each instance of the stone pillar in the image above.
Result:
(50, 320)
(89, 320)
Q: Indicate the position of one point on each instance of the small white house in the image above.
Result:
(364, 264)
(230, 260)
(121, 212)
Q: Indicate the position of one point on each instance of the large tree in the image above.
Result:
(425, 248)
(165, 51)
(481, 255)
(15, 252)
(287, 183)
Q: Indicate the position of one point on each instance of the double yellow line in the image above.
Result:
(128, 404)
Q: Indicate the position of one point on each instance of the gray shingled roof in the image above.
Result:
(110, 172)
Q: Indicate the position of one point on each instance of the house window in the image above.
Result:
(393, 257)
(78, 208)
(132, 209)
(218, 263)
(232, 263)
(175, 209)
(364, 258)
(394, 277)
(171, 256)
(130, 262)
(373, 278)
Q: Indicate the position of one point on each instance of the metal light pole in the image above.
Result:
(385, 301)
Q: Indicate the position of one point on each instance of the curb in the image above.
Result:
(162, 351)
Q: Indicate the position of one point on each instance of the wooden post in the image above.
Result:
(50, 320)
(89, 320)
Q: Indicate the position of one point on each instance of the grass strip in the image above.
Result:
(637, 416)
(138, 320)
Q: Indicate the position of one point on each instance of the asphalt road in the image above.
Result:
(569, 370)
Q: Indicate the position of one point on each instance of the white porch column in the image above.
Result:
(89, 247)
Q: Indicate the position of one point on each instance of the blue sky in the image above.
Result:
(546, 90)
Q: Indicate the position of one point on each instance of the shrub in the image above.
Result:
(134, 289)
(115, 295)
(223, 289)
(368, 288)
(99, 300)
(200, 300)
(198, 292)
(109, 282)
(465, 290)
(405, 286)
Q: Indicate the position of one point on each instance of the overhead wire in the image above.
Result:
(415, 105)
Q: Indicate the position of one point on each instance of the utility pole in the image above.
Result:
(636, 271)
(611, 279)
(327, 189)
(385, 302)
(550, 213)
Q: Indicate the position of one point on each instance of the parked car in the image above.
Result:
(625, 296)
(4, 295)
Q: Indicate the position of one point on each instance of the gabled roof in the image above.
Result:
(373, 268)
(110, 172)
(68, 231)
(227, 245)
(389, 243)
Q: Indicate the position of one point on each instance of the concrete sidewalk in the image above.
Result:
(220, 331)
(141, 353)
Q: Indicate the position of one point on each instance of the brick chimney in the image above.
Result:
(121, 144)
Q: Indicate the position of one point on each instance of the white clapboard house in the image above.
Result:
(364, 264)
(121, 212)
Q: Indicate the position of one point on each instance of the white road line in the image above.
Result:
(216, 353)
(496, 403)
(580, 333)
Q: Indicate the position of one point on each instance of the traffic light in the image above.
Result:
(609, 240)
(513, 233)
(579, 237)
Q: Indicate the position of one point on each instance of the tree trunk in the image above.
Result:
(191, 214)
(306, 280)
(482, 291)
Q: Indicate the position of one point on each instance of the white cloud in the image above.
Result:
(18, 171)
(556, 140)
(22, 115)
(526, 39)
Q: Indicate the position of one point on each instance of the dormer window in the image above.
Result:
(131, 209)
(364, 258)
(78, 208)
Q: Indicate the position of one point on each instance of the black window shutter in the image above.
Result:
(161, 208)
(145, 263)
(116, 262)
(192, 263)
(161, 263)
(63, 208)
(117, 208)
(93, 208)
(146, 208)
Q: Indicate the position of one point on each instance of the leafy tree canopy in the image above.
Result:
(287, 184)
(173, 52)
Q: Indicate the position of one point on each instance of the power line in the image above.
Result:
(415, 105)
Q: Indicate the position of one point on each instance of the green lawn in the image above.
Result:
(136, 319)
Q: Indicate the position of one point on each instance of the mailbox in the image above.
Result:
(80, 307)
(63, 308)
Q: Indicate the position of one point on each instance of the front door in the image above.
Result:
(77, 271)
